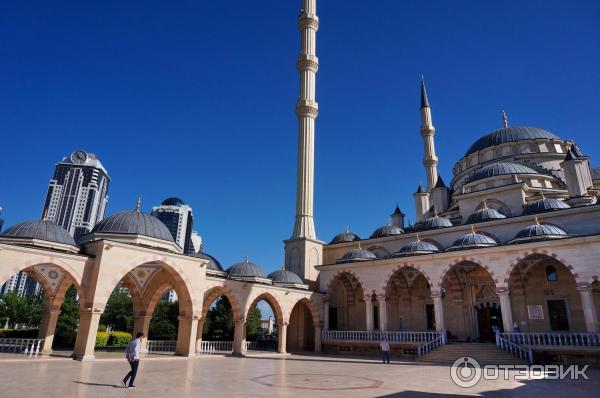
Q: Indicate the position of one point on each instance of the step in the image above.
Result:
(485, 354)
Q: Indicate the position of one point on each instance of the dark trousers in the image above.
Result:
(385, 356)
(131, 375)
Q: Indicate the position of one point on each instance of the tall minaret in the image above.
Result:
(303, 251)
(430, 161)
(306, 111)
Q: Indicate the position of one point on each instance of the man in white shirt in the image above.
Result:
(385, 350)
(132, 353)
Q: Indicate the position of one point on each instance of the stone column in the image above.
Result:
(326, 315)
(438, 306)
(281, 337)
(369, 312)
(506, 310)
(186, 336)
(86, 335)
(383, 324)
(199, 330)
(318, 347)
(589, 310)
(239, 337)
(47, 329)
(141, 323)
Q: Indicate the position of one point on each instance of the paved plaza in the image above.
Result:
(264, 376)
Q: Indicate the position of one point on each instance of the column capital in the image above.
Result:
(502, 291)
(187, 318)
(381, 297)
(438, 294)
(239, 320)
(51, 311)
(282, 324)
(143, 317)
(584, 286)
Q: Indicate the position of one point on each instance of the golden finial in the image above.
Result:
(138, 205)
(542, 194)
(504, 118)
(472, 229)
(45, 215)
(485, 204)
(347, 229)
(537, 222)
(246, 260)
(418, 237)
(359, 248)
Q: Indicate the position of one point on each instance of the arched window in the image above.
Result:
(551, 275)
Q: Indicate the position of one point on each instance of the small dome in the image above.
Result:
(537, 232)
(387, 230)
(415, 248)
(485, 214)
(498, 169)
(134, 223)
(544, 205)
(435, 223)
(213, 263)
(510, 134)
(472, 240)
(285, 277)
(344, 237)
(172, 202)
(596, 173)
(40, 229)
(245, 269)
(357, 255)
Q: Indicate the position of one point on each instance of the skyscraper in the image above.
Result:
(78, 193)
(178, 217)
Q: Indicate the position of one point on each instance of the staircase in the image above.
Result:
(484, 353)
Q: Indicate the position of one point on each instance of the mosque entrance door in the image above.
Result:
(489, 319)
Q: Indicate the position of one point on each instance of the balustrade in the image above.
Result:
(25, 346)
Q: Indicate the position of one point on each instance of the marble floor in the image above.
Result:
(259, 375)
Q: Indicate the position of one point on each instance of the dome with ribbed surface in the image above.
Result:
(40, 229)
(435, 223)
(387, 230)
(213, 263)
(245, 269)
(596, 173)
(472, 240)
(510, 134)
(285, 277)
(344, 237)
(500, 168)
(172, 202)
(134, 223)
(415, 248)
(485, 214)
(544, 205)
(538, 232)
(357, 255)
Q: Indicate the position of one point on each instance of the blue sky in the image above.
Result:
(196, 100)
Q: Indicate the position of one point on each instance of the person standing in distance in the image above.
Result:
(133, 357)
(385, 350)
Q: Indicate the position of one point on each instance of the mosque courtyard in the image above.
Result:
(260, 376)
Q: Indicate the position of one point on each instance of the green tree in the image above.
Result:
(164, 323)
(118, 313)
(219, 321)
(22, 312)
(68, 320)
(253, 329)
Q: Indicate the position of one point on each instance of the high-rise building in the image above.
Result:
(78, 193)
(178, 217)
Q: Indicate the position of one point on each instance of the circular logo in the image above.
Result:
(465, 372)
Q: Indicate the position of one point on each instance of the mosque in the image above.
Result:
(510, 244)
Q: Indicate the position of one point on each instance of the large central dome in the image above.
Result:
(134, 223)
(510, 134)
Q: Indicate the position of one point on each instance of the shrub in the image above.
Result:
(119, 339)
(19, 333)
(102, 328)
(102, 339)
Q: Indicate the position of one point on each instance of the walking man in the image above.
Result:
(385, 350)
(133, 357)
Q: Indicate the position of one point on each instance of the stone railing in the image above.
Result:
(517, 350)
(270, 346)
(25, 346)
(432, 345)
(375, 335)
(213, 347)
(554, 339)
(161, 346)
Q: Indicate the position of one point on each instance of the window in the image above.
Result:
(551, 274)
